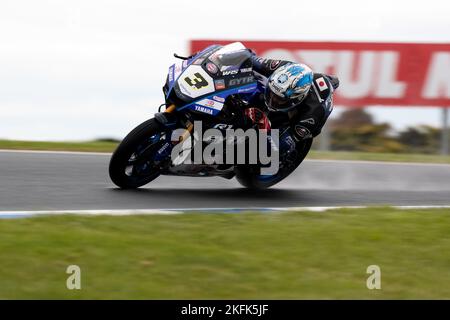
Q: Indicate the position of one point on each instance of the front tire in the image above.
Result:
(121, 160)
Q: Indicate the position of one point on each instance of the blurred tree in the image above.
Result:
(353, 118)
(355, 130)
(422, 139)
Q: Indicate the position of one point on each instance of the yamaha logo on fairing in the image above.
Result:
(203, 109)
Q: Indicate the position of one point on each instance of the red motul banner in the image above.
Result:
(400, 74)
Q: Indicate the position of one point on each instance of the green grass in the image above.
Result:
(109, 146)
(90, 146)
(256, 256)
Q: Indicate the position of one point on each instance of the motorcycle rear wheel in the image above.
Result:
(249, 176)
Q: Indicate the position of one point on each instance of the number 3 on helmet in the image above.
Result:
(288, 86)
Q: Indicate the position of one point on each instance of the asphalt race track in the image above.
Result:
(77, 181)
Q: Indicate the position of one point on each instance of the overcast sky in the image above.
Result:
(92, 68)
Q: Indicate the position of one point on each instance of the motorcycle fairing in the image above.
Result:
(213, 103)
(203, 82)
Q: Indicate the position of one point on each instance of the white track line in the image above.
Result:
(128, 212)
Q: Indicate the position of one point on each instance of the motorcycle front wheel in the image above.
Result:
(131, 165)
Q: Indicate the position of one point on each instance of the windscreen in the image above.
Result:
(228, 60)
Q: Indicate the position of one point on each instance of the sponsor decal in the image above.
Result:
(302, 132)
(219, 99)
(243, 70)
(203, 109)
(210, 104)
(229, 72)
(321, 84)
(163, 148)
(219, 84)
(211, 67)
(246, 90)
(185, 64)
(241, 81)
(171, 74)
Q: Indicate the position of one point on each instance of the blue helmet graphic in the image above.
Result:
(288, 86)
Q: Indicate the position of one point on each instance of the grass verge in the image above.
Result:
(89, 146)
(293, 255)
(109, 146)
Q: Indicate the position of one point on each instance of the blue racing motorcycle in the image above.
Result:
(209, 87)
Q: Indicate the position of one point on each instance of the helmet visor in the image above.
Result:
(277, 103)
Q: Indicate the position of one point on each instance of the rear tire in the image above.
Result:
(121, 156)
(248, 176)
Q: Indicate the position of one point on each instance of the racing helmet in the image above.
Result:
(288, 86)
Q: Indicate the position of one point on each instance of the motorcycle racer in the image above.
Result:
(293, 93)
(228, 89)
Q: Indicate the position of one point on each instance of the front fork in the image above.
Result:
(169, 122)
